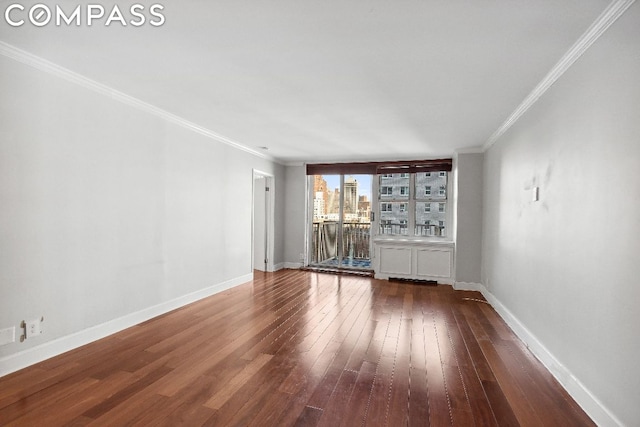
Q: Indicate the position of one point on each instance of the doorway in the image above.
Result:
(262, 222)
(340, 222)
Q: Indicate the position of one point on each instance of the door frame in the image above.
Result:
(269, 216)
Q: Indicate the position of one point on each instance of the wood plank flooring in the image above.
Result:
(299, 348)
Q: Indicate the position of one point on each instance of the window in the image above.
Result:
(413, 203)
(429, 220)
(394, 203)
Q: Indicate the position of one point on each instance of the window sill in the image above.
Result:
(410, 240)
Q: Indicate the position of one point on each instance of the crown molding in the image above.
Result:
(593, 33)
(294, 163)
(48, 67)
(469, 150)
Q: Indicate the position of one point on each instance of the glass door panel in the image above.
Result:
(341, 221)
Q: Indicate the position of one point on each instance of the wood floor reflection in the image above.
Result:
(306, 349)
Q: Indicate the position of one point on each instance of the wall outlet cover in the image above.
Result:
(33, 328)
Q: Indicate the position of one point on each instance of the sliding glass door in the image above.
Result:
(340, 228)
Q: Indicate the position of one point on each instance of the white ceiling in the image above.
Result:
(328, 80)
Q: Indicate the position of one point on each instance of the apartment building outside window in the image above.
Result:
(413, 204)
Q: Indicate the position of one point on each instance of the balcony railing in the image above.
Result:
(430, 230)
(393, 228)
(422, 230)
(356, 239)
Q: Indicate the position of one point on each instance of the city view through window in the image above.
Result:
(357, 198)
(407, 204)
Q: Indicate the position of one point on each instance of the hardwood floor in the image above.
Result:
(298, 348)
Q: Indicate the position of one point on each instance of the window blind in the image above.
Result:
(374, 168)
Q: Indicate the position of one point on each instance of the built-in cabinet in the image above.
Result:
(414, 259)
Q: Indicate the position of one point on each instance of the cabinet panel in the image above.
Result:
(395, 261)
(412, 259)
(434, 262)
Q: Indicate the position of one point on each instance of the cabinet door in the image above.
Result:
(395, 261)
(434, 262)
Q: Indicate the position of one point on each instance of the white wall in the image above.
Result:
(468, 256)
(295, 214)
(108, 211)
(567, 266)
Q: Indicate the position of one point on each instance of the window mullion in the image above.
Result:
(375, 201)
(412, 205)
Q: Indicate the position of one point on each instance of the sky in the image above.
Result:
(364, 183)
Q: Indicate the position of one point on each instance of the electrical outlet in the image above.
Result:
(8, 335)
(33, 328)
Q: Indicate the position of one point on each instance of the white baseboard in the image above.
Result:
(583, 396)
(468, 286)
(293, 265)
(23, 359)
(279, 266)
